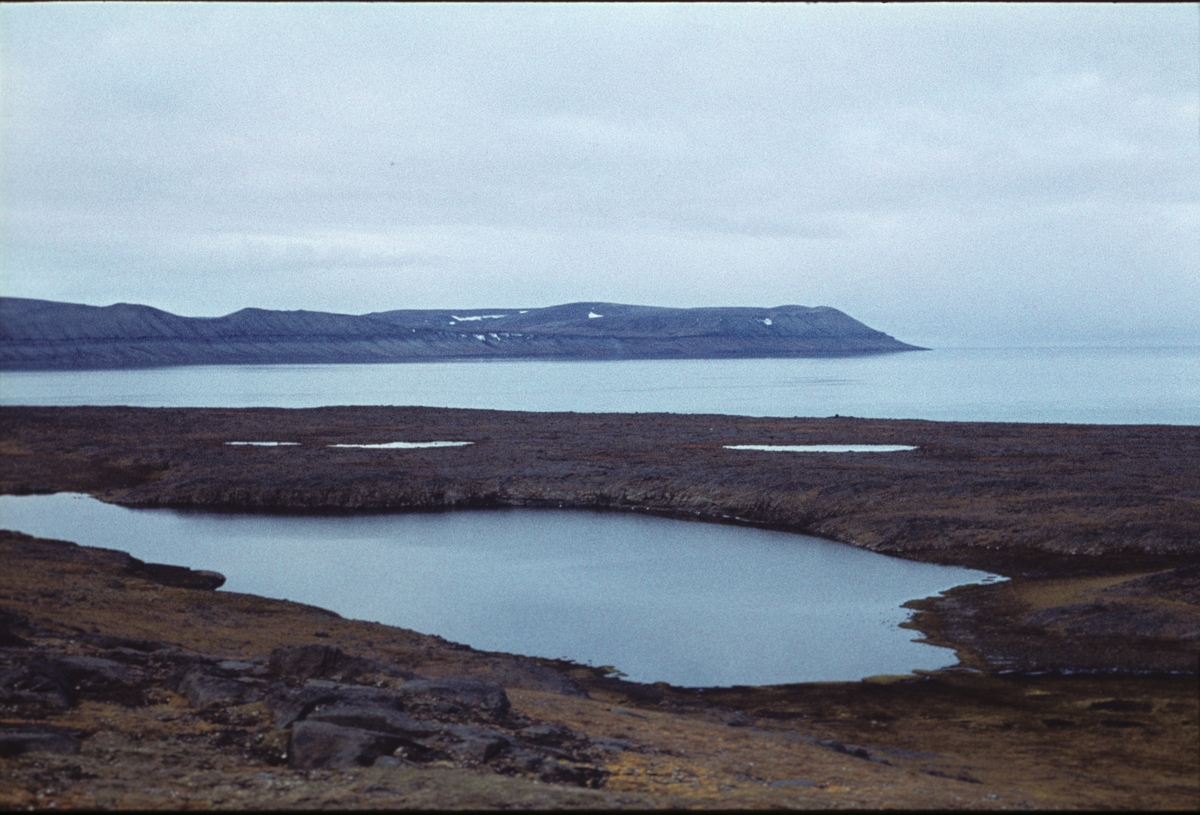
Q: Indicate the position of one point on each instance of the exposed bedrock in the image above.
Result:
(318, 722)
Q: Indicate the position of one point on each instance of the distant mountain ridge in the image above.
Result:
(48, 335)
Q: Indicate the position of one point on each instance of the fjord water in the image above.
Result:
(1078, 385)
(662, 600)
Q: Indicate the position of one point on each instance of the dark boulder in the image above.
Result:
(255, 667)
(96, 670)
(549, 734)
(525, 673)
(12, 625)
(38, 683)
(473, 745)
(127, 643)
(322, 745)
(298, 663)
(292, 704)
(552, 770)
(379, 718)
(455, 696)
(31, 677)
(203, 689)
(13, 743)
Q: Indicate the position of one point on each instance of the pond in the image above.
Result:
(658, 599)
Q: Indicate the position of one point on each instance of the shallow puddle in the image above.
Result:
(822, 448)
(391, 445)
(405, 445)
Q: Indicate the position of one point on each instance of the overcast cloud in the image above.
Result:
(992, 174)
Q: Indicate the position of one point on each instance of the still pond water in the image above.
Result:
(687, 603)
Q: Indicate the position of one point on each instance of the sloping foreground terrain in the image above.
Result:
(45, 335)
(125, 684)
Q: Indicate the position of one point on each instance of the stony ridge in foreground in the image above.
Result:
(47, 335)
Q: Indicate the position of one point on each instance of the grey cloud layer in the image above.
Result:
(947, 173)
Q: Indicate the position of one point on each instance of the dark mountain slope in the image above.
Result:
(45, 335)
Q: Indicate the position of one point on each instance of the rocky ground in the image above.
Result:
(125, 684)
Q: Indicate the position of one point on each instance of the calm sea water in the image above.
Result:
(661, 600)
(1080, 385)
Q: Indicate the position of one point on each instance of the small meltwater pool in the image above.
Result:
(822, 448)
(391, 445)
(406, 445)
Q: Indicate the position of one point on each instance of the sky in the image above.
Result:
(953, 175)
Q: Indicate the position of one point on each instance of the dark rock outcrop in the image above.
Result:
(317, 722)
(380, 717)
(454, 696)
(32, 678)
(205, 690)
(301, 663)
(340, 724)
(46, 335)
(15, 742)
(318, 744)
(455, 719)
(12, 626)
